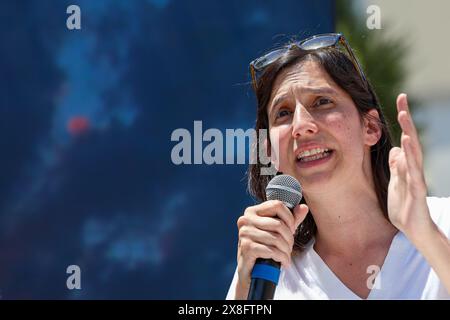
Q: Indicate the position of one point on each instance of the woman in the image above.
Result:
(366, 228)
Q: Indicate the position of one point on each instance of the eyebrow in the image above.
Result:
(308, 90)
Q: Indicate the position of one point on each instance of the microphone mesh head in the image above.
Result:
(284, 188)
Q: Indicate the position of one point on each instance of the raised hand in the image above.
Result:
(407, 206)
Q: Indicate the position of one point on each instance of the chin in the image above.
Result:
(318, 183)
(314, 182)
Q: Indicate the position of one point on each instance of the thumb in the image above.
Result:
(394, 153)
(300, 212)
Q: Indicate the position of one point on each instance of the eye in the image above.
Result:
(321, 101)
(282, 113)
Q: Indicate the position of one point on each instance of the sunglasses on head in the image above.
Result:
(313, 43)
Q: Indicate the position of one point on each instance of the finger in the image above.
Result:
(276, 208)
(411, 162)
(300, 213)
(394, 153)
(274, 225)
(256, 250)
(397, 164)
(407, 123)
(409, 129)
(402, 105)
(402, 102)
(267, 238)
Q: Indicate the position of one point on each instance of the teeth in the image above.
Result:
(315, 157)
(311, 152)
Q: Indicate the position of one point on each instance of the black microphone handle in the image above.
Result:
(266, 272)
(262, 289)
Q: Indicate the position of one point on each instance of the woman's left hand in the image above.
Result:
(407, 205)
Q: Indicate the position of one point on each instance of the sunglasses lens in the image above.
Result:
(262, 62)
(314, 43)
(319, 42)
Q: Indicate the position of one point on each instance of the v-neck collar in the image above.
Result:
(336, 289)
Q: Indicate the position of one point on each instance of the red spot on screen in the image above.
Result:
(78, 125)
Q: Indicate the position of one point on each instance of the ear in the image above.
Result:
(372, 128)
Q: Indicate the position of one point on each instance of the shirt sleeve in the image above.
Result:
(440, 213)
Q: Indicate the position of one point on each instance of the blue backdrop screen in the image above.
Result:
(86, 118)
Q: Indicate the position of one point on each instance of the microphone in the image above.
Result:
(266, 272)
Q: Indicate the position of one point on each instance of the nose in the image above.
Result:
(303, 123)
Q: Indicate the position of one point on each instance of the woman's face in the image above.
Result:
(322, 140)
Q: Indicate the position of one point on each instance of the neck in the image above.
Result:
(349, 221)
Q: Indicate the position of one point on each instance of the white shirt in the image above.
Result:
(405, 273)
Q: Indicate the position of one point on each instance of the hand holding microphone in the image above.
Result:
(266, 238)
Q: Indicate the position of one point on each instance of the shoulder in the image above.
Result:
(440, 212)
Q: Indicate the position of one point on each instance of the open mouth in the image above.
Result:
(314, 156)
